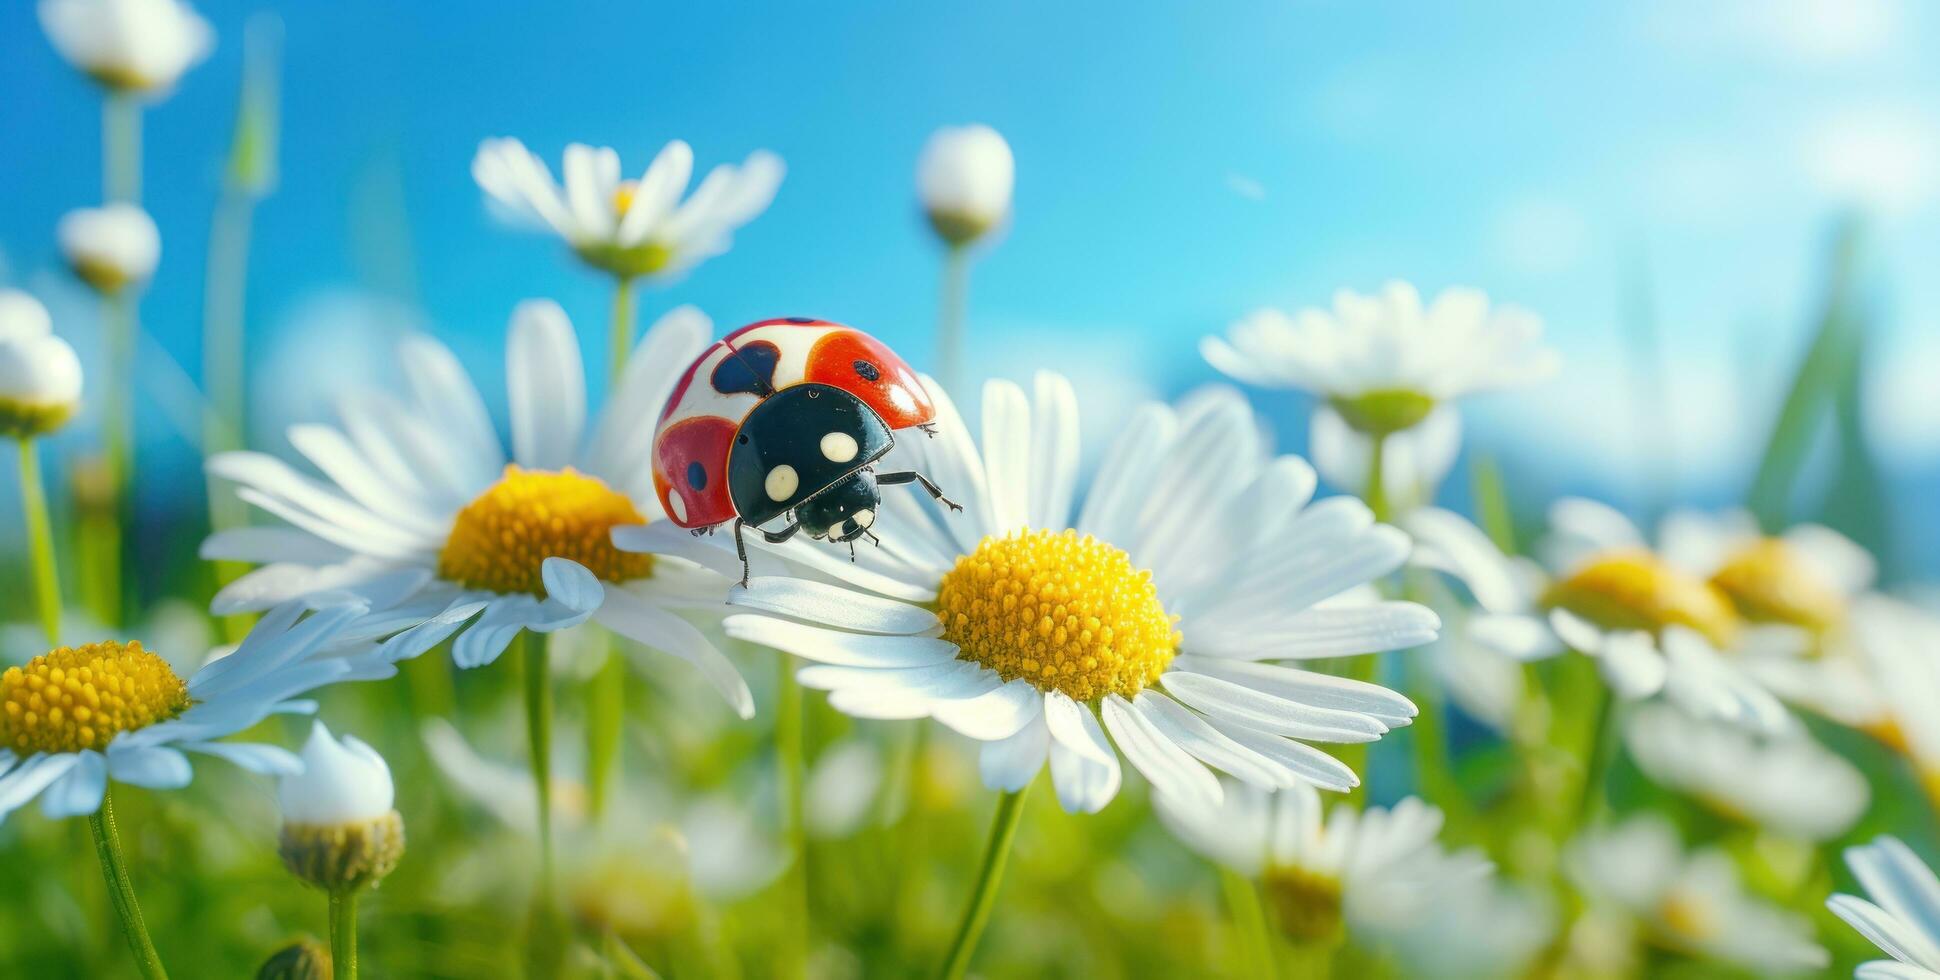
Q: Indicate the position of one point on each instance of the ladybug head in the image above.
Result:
(843, 511)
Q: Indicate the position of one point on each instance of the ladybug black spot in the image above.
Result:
(868, 371)
(801, 319)
(696, 475)
(743, 440)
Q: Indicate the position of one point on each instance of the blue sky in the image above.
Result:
(1178, 165)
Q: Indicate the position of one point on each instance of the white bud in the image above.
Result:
(342, 783)
(40, 376)
(965, 177)
(110, 247)
(128, 45)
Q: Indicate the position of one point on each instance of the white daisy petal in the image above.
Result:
(631, 616)
(1206, 743)
(1083, 783)
(1893, 936)
(447, 396)
(1167, 767)
(1124, 478)
(1226, 700)
(1308, 687)
(26, 780)
(1010, 764)
(1007, 454)
(266, 760)
(546, 385)
(1066, 720)
(79, 791)
(1054, 451)
(992, 716)
(502, 621)
(835, 606)
(150, 767)
(270, 544)
(837, 647)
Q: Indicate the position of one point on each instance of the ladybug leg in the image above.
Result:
(741, 549)
(911, 476)
(929, 428)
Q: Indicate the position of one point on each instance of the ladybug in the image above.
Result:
(785, 419)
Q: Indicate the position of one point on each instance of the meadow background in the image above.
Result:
(1718, 209)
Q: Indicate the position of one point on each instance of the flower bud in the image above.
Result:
(128, 45)
(40, 376)
(964, 177)
(111, 247)
(339, 830)
(305, 959)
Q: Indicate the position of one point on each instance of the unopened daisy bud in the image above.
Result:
(339, 830)
(40, 377)
(305, 959)
(965, 178)
(128, 45)
(111, 247)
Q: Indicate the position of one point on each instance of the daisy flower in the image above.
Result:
(1795, 592)
(628, 228)
(1692, 904)
(964, 179)
(1788, 783)
(1414, 461)
(128, 45)
(76, 717)
(111, 248)
(40, 376)
(1898, 641)
(1652, 626)
(421, 512)
(1481, 928)
(1150, 613)
(1903, 916)
(1372, 872)
(1382, 363)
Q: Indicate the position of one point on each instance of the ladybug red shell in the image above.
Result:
(781, 416)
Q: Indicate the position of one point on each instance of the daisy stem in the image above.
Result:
(538, 729)
(117, 446)
(622, 330)
(343, 934)
(1249, 918)
(788, 749)
(121, 889)
(1003, 831)
(40, 537)
(222, 370)
(1377, 491)
(121, 147)
(1602, 751)
(950, 314)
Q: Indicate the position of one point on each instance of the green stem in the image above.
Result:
(790, 756)
(40, 538)
(1377, 491)
(950, 315)
(1249, 919)
(622, 330)
(1003, 831)
(117, 437)
(121, 148)
(121, 889)
(1601, 752)
(343, 934)
(538, 729)
(605, 727)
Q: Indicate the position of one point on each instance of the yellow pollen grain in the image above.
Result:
(75, 698)
(1636, 590)
(1770, 582)
(1064, 612)
(500, 540)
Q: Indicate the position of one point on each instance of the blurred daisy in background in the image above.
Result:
(1024, 625)
(1898, 641)
(112, 248)
(140, 46)
(1373, 873)
(1414, 461)
(40, 375)
(1903, 916)
(964, 179)
(1479, 928)
(1795, 592)
(639, 883)
(73, 718)
(1382, 364)
(422, 514)
(1691, 904)
(628, 228)
(1652, 626)
(1787, 783)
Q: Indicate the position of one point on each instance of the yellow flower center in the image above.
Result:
(76, 698)
(1064, 612)
(1686, 916)
(1770, 582)
(1307, 904)
(623, 196)
(500, 540)
(1635, 590)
